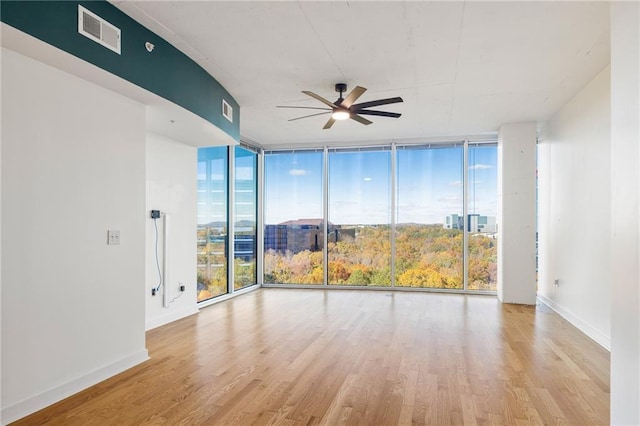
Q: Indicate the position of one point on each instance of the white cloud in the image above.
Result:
(450, 198)
(480, 167)
(299, 172)
(368, 179)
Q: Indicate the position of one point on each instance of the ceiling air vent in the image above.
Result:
(227, 111)
(97, 29)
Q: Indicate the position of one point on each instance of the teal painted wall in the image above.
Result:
(166, 71)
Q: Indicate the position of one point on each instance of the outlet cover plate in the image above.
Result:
(113, 237)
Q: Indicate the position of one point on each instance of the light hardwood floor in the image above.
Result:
(298, 357)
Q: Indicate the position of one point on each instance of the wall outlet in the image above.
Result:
(113, 237)
(556, 282)
(155, 214)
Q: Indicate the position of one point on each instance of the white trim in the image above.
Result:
(51, 396)
(591, 332)
(231, 218)
(394, 212)
(465, 214)
(325, 216)
(260, 219)
(170, 317)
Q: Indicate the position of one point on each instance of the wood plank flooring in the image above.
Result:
(343, 357)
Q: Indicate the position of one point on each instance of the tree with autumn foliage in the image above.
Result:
(427, 256)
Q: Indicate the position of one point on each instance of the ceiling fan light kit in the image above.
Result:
(344, 108)
(340, 114)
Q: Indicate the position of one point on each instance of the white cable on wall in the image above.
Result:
(165, 257)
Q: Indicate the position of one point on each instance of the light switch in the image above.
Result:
(113, 237)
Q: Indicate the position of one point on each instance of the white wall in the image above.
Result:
(171, 188)
(574, 211)
(1, 422)
(625, 213)
(516, 213)
(72, 168)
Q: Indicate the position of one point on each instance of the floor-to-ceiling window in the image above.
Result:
(429, 243)
(245, 216)
(214, 211)
(420, 216)
(359, 237)
(482, 210)
(293, 217)
(212, 222)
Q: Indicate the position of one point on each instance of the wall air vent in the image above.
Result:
(227, 111)
(97, 29)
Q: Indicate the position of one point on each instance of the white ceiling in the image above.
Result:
(462, 68)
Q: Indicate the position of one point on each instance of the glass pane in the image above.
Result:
(482, 209)
(246, 202)
(212, 222)
(429, 234)
(294, 225)
(359, 243)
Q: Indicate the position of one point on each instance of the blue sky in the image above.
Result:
(293, 187)
(429, 185)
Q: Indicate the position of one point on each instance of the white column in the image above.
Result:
(517, 213)
(625, 213)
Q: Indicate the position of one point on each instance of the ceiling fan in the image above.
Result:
(345, 108)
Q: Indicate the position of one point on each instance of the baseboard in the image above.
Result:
(40, 401)
(170, 317)
(595, 335)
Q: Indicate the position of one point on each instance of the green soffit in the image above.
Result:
(166, 71)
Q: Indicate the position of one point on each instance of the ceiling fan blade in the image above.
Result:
(353, 96)
(320, 98)
(360, 119)
(302, 107)
(312, 115)
(380, 113)
(329, 123)
(363, 105)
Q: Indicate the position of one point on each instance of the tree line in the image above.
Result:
(426, 256)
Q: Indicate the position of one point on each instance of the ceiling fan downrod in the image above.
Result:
(340, 88)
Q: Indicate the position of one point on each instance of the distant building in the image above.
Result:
(478, 223)
(453, 221)
(300, 235)
(244, 247)
(244, 241)
(475, 223)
